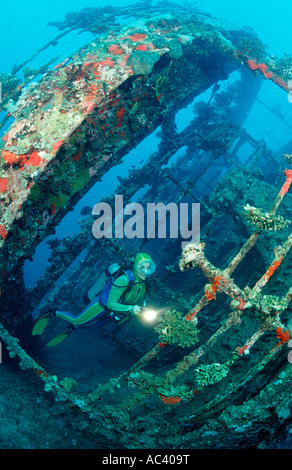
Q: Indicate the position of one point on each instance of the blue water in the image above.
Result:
(23, 24)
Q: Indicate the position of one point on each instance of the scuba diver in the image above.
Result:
(117, 301)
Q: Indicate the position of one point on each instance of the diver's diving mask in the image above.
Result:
(146, 268)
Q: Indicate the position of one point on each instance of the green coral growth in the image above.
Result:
(254, 47)
(101, 388)
(35, 193)
(264, 221)
(29, 72)
(80, 181)
(67, 383)
(10, 90)
(281, 65)
(60, 200)
(210, 373)
(50, 385)
(159, 84)
(266, 305)
(174, 328)
(288, 158)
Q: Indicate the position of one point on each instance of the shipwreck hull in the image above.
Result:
(83, 116)
(69, 129)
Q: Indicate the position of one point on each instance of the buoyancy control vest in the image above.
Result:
(104, 294)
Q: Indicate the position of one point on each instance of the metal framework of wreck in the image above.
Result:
(69, 129)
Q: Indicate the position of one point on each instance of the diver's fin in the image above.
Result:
(41, 323)
(61, 336)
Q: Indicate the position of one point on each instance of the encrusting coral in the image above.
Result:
(173, 328)
(288, 158)
(264, 221)
(266, 305)
(209, 374)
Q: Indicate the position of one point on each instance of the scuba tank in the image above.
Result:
(99, 285)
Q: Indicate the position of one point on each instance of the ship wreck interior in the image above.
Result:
(202, 122)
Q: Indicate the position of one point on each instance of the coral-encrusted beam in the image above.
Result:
(267, 73)
(280, 253)
(193, 255)
(285, 188)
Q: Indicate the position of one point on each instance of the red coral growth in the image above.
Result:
(141, 47)
(283, 336)
(107, 61)
(275, 264)
(78, 155)
(116, 50)
(3, 184)
(241, 350)
(241, 304)
(262, 67)
(41, 373)
(57, 145)
(211, 291)
(192, 314)
(53, 208)
(95, 67)
(138, 37)
(33, 160)
(287, 184)
(209, 295)
(169, 400)
(119, 117)
(3, 232)
(11, 158)
(288, 174)
(88, 105)
(252, 65)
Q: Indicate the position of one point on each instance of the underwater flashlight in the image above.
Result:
(149, 315)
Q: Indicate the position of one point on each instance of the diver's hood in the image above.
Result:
(144, 266)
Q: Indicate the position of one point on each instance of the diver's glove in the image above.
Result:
(135, 309)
